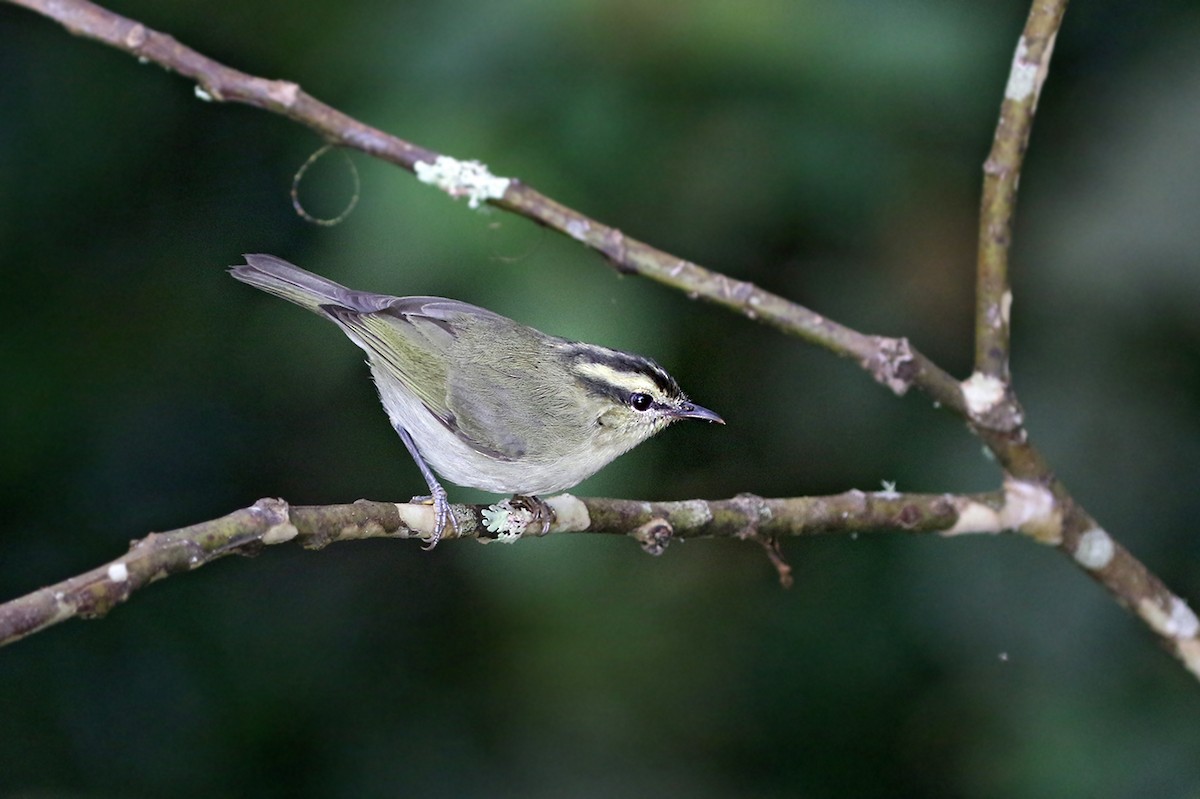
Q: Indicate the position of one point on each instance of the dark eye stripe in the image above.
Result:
(620, 395)
(603, 388)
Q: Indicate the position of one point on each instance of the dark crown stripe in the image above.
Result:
(631, 364)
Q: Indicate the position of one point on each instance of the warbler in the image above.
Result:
(485, 401)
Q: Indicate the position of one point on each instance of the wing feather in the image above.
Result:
(411, 341)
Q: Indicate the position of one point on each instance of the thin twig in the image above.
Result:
(1001, 176)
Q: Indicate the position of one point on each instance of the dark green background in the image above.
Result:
(826, 150)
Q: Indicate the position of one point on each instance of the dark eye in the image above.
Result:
(641, 402)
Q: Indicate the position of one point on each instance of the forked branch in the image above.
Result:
(1034, 501)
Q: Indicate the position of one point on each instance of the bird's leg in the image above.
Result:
(541, 511)
(437, 494)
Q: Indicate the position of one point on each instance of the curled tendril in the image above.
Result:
(305, 215)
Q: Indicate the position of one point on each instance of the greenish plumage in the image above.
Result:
(486, 401)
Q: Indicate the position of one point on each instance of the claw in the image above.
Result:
(537, 506)
(441, 514)
(437, 494)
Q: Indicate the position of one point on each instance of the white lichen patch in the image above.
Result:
(1023, 79)
(889, 490)
(1031, 509)
(280, 533)
(470, 179)
(1095, 549)
(118, 572)
(578, 229)
(1178, 622)
(1028, 508)
(982, 393)
(1183, 619)
(509, 523)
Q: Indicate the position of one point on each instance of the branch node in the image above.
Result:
(1031, 508)
(991, 404)
(136, 37)
(613, 248)
(271, 510)
(578, 229)
(755, 511)
(654, 535)
(283, 92)
(892, 363)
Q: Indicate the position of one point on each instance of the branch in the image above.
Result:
(992, 405)
(985, 400)
(653, 524)
(1002, 174)
(1021, 507)
(893, 362)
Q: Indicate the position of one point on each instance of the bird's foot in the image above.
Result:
(542, 514)
(441, 514)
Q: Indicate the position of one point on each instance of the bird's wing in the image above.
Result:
(411, 340)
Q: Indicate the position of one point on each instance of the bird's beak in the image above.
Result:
(689, 410)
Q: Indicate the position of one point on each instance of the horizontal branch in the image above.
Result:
(1021, 507)
(653, 524)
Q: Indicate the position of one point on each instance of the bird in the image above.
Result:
(485, 401)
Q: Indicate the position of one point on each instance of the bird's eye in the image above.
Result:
(641, 402)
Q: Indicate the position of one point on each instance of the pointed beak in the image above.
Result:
(690, 410)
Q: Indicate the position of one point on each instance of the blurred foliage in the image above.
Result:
(827, 150)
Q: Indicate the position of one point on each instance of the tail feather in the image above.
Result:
(290, 282)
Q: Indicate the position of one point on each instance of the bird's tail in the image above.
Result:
(277, 276)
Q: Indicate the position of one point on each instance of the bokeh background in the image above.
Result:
(827, 150)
